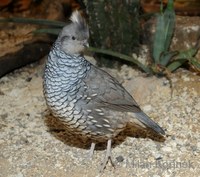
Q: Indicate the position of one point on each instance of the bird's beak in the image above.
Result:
(86, 44)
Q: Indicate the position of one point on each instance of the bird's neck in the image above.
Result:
(70, 68)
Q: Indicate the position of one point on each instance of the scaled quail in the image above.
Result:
(87, 99)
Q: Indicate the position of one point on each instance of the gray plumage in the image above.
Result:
(84, 97)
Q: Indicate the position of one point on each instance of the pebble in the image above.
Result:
(167, 149)
(188, 109)
(147, 108)
(18, 175)
(186, 79)
(120, 158)
(198, 145)
(157, 156)
(197, 106)
(2, 141)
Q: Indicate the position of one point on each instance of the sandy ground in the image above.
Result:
(28, 148)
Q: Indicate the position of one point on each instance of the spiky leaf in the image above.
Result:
(163, 34)
(176, 64)
(34, 21)
(166, 57)
(53, 31)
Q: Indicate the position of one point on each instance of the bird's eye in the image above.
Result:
(73, 38)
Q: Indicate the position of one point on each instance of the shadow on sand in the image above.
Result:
(59, 130)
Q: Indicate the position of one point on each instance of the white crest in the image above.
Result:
(80, 22)
(76, 17)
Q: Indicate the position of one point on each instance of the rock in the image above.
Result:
(120, 158)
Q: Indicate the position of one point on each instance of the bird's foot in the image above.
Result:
(107, 157)
(91, 152)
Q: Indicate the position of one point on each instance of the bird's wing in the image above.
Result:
(111, 94)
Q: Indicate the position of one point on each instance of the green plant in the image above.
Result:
(163, 59)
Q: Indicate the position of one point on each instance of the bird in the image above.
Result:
(87, 99)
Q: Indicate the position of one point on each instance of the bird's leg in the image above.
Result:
(107, 157)
(91, 152)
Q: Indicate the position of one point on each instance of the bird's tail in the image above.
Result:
(146, 120)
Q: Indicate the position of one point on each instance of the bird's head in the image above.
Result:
(74, 37)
